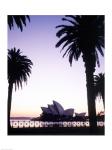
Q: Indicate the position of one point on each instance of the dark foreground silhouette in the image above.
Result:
(56, 131)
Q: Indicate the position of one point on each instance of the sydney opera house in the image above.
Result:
(56, 112)
(57, 109)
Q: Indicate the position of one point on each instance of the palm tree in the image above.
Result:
(84, 36)
(20, 20)
(19, 68)
(99, 86)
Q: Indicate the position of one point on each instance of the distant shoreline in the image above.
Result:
(20, 118)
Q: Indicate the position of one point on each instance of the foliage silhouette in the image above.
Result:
(99, 83)
(19, 68)
(84, 36)
(20, 20)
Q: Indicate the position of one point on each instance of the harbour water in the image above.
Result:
(40, 124)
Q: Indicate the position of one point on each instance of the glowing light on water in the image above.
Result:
(39, 124)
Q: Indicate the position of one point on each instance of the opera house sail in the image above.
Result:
(56, 112)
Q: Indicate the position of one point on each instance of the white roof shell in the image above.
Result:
(80, 114)
(57, 109)
(69, 112)
(52, 109)
(46, 110)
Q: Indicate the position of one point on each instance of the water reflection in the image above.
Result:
(39, 124)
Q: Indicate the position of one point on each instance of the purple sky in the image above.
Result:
(52, 77)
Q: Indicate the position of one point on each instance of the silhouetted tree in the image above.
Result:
(99, 86)
(19, 68)
(84, 36)
(20, 20)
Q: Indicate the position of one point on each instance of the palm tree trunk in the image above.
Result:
(90, 68)
(103, 97)
(10, 88)
(91, 102)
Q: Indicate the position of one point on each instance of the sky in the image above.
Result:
(52, 77)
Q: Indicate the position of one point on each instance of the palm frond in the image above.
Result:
(19, 67)
(72, 22)
(100, 49)
(97, 59)
(85, 34)
(20, 20)
(62, 40)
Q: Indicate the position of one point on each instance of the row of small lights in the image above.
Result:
(37, 124)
